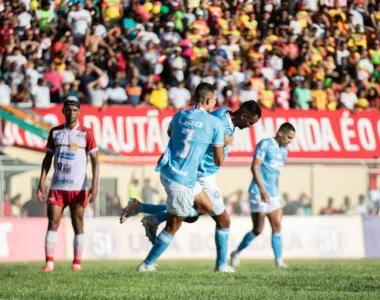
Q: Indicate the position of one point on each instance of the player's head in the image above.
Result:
(205, 96)
(71, 108)
(247, 115)
(285, 134)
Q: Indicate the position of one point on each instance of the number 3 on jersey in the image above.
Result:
(189, 133)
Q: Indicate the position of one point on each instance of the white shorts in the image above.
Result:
(208, 184)
(374, 198)
(257, 205)
(180, 198)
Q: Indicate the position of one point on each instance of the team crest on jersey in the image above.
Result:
(74, 147)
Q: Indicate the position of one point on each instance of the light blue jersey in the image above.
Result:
(192, 131)
(273, 157)
(207, 166)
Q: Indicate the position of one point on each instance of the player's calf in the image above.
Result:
(50, 244)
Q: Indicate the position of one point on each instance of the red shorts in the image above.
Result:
(68, 198)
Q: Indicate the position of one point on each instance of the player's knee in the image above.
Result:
(223, 220)
(172, 228)
(53, 224)
(77, 223)
(257, 231)
(191, 219)
(276, 228)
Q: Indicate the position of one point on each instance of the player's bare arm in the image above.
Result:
(228, 139)
(218, 155)
(46, 164)
(255, 167)
(95, 176)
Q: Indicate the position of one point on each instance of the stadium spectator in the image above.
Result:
(134, 191)
(315, 54)
(41, 94)
(362, 208)
(347, 208)
(16, 206)
(147, 192)
(329, 210)
(290, 207)
(33, 207)
(7, 205)
(113, 205)
(240, 207)
(179, 96)
(303, 206)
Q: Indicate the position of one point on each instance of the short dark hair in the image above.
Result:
(202, 91)
(252, 107)
(286, 127)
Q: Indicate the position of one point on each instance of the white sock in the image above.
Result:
(78, 248)
(50, 244)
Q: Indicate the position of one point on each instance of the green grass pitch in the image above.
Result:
(316, 279)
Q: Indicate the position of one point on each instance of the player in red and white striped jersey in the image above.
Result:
(69, 144)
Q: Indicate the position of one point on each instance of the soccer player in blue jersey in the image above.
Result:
(264, 198)
(192, 131)
(247, 115)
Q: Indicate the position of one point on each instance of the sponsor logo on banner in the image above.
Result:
(141, 132)
(303, 237)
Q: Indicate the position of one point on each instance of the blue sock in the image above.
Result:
(150, 208)
(221, 242)
(160, 245)
(160, 217)
(192, 213)
(277, 244)
(248, 238)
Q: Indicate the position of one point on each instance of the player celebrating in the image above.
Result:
(192, 131)
(70, 144)
(248, 114)
(264, 198)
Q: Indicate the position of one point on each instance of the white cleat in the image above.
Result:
(225, 269)
(143, 267)
(280, 263)
(282, 266)
(150, 228)
(129, 210)
(235, 260)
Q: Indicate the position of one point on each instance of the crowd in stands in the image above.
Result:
(304, 54)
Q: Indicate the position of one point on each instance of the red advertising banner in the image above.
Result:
(24, 239)
(140, 133)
